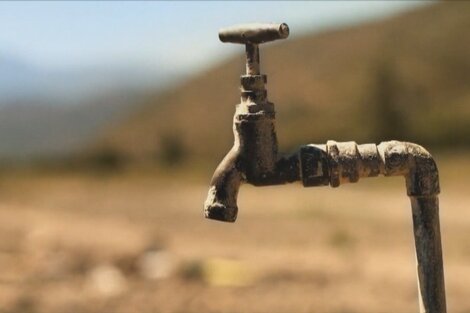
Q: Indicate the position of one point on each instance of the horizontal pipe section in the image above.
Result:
(347, 162)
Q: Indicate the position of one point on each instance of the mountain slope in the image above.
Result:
(43, 130)
(403, 78)
(55, 112)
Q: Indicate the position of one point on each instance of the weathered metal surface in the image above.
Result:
(254, 159)
(252, 59)
(430, 268)
(254, 33)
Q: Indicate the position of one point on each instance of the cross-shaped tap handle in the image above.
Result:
(252, 35)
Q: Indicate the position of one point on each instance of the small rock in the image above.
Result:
(155, 264)
(106, 281)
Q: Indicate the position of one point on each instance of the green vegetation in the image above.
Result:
(172, 150)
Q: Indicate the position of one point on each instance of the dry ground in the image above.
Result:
(132, 243)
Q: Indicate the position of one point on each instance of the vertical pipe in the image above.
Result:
(252, 59)
(428, 254)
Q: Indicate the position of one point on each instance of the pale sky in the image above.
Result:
(177, 35)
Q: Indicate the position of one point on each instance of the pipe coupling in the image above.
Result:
(338, 163)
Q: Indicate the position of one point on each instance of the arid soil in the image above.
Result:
(135, 242)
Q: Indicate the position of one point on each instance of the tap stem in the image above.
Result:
(252, 59)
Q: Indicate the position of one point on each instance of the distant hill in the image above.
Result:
(44, 130)
(407, 78)
(55, 113)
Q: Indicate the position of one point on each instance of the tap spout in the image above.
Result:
(221, 202)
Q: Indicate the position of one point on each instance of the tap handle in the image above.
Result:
(255, 33)
(252, 35)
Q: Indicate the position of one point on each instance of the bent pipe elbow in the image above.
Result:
(221, 202)
(415, 163)
(422, 184)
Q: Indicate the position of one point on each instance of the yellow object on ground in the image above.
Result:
(226, 272)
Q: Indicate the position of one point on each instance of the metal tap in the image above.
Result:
(254, 159)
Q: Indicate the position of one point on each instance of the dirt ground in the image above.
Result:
(135, 242)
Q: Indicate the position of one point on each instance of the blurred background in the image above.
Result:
(114, 115)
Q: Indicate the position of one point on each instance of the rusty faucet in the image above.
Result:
(254, 159)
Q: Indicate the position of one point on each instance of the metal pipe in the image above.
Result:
(252, 59)
(430, 268)
(347, 162)
(254, 159)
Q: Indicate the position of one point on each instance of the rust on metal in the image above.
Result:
(254, 159)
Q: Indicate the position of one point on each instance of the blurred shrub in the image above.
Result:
(387, 111)
(172, 150)
(106, 159)
(192, 270)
